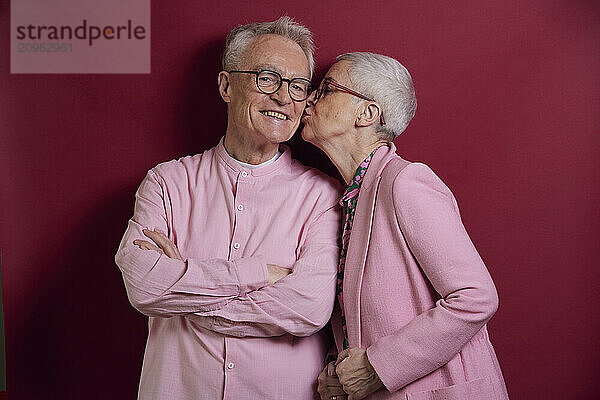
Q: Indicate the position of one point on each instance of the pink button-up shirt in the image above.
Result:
(217, 330)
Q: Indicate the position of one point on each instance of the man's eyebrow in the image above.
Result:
(270, 67)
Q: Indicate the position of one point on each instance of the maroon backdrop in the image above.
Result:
(508, 116)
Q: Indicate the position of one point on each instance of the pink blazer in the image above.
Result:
(417, 294)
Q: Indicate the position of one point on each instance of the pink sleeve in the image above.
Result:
(160, 286)
(300, 303)
(428, 217)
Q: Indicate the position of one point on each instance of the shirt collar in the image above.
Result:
(264, 164)
(281, 164)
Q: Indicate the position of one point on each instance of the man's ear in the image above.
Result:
(368, 114)
(224, 86)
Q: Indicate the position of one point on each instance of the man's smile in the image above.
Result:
(275, 114)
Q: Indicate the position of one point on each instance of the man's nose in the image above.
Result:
(282, 95)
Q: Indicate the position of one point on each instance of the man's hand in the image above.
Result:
(329, 385)
(276, 273)
(356, 374)
(162, 244)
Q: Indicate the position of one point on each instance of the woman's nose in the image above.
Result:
(312, 99)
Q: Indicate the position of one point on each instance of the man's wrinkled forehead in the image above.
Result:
(276, 53)
(270, 66)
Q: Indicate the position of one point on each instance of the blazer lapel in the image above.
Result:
(359, 243)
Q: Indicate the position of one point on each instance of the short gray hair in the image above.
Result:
(386, 81)
(242, 35)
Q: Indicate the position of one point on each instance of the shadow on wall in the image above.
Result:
(202, 112)
(2, 348)
(82, 328)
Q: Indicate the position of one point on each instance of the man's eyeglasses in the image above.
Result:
(269, 82)
(342, 88)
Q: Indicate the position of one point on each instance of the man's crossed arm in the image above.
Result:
(161, 243)
(243, 297)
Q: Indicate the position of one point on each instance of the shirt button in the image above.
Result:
(236, 245)
(230, 365)
(240, 207)
(244, 174)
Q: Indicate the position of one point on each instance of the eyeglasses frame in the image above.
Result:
(345, 89)
(281, 80)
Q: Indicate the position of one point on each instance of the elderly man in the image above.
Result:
(232, 253)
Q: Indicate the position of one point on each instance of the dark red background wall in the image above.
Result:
(508, 116)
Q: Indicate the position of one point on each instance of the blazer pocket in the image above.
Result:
(477, 389)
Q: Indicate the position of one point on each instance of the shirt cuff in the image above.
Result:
(252, 274)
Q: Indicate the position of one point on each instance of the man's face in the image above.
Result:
(259, 117)
(335, 112)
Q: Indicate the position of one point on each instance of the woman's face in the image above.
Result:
(334, 114)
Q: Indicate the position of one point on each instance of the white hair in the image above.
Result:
(242, 35)
(386, 81)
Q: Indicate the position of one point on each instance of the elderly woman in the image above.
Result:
(414, 295)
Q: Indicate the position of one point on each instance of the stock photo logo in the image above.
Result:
(80, 36)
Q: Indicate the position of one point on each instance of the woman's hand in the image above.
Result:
(329, 386)
(356, 374)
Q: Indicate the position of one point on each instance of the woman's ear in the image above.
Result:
(369, 114)
(224, 87)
